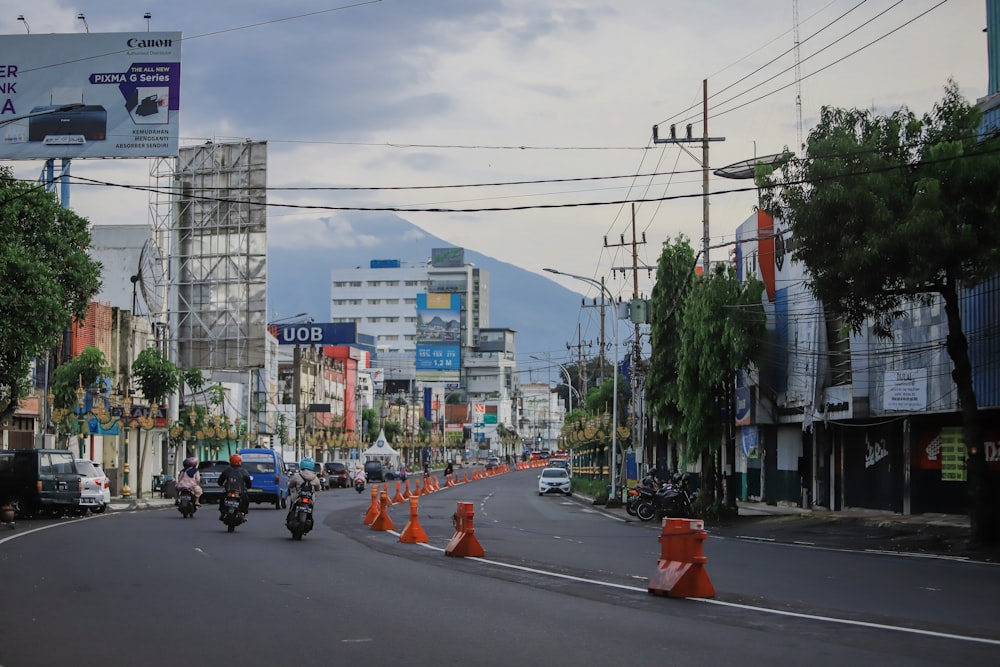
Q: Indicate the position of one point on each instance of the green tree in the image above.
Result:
(46, 279)
(721, 331)
(890, 210)
(158, 378)
(674, 277)
(83, 370)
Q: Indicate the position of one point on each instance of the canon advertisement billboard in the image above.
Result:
(92, 95)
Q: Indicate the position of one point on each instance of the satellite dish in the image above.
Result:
(149, 279)
(747, 168)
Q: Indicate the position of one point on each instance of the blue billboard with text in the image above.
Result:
(439, 337)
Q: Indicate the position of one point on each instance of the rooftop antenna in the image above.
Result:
(20, 17)
(84, 19)
(798, 76)
(147, 16)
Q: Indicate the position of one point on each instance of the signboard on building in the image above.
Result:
(953, 455)
(439, 335)
(89, 95)
(447, 257)
(329, 333)
(905, 390)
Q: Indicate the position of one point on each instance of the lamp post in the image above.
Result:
(569, 380)
(613, 497)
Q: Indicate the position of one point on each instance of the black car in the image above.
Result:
(209, 472)
(336, 474)
(374, 471)
(39, 480)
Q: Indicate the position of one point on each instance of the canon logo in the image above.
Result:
(149, 43)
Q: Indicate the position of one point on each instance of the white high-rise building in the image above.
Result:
(381, 299)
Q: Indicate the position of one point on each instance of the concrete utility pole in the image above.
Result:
(703, 162)
(584, 304)
(580, 344)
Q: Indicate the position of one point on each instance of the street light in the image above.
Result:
(60, 109)
(569, 381)
(613, 497)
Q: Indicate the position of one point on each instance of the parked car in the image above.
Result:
(39, 480)
(209, 472)
(553, 480)
(336, 474)
(320, 471)
(95, 491)
(374, 471)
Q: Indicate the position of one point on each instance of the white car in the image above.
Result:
(553, 480)
(95, 493)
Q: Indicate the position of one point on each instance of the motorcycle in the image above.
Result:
(300, 517)
(644, 490)
(671, 499)
(185, 503)
(359, 484)
(230, 512)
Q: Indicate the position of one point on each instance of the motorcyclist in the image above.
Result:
(236, 478)
(190, 479)
(359, 475)
(305, 475)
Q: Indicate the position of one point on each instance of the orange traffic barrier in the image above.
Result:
(407, 493)
(413, 532)
(680, 572)
(465, 477)
(464, 543)
(382, 521)
(435, 485)
(398, 498)
(416, 488)
(447, 481)
(373, 509)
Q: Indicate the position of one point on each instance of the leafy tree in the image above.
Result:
(674, 278)
(722, 330)
(157, 378)
(46, 279)
(893, 209)
(83, 370)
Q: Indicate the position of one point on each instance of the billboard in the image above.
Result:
(439, 337)
(327, 333)
(89, 95)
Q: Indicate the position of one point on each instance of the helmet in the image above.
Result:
(190, 462)
(307, 464)
(235, 460)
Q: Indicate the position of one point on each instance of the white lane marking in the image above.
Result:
(733, 605)
(51, 525)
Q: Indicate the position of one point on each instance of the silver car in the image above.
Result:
(95, 490)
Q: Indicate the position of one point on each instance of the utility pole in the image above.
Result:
(703, 162)
(584, 304)
(580, 344)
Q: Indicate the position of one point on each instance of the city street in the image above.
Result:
(561, 582)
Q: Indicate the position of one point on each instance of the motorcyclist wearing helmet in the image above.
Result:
(236, 478)
(306, 475)
(190, 479)
(359, 474)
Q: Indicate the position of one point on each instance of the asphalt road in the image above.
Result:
(560, 583)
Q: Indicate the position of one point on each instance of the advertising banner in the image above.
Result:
(89, 95)
(439, 336)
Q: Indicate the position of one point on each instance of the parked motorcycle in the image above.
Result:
(230, 512)
(671, 499)
(300, 517)
(643, 490)
(185, 503)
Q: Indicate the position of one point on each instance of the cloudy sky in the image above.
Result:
(543, 108)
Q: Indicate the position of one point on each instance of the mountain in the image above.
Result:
(542, 312)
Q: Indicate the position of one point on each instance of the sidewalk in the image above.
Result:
(945, 535)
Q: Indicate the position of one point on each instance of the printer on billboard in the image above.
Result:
(89, 121)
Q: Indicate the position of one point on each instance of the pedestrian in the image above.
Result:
(190, 479)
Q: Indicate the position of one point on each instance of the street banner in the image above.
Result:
(89, 95)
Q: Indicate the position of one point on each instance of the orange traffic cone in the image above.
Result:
(464, 543)
(382, 521)
(373, 509)
(398, 498)
(407, 493)
(413, 532)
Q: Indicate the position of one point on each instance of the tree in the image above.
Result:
(157, 378)
(46, 279)
(83, 370)
(674, 278)
(721, 331)
(887, 210)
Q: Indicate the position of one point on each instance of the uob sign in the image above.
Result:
(338, 333)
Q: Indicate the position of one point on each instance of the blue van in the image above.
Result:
(270, 482)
